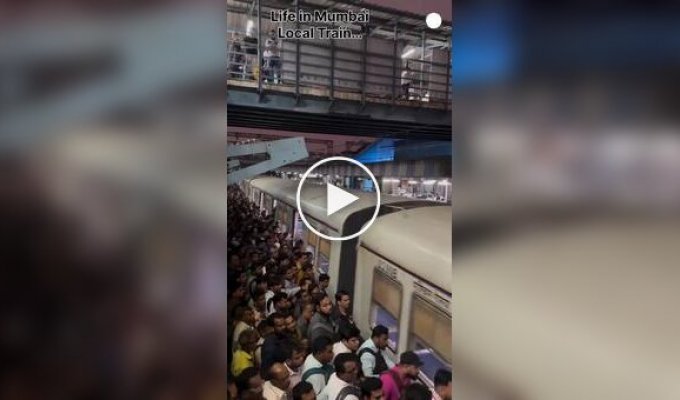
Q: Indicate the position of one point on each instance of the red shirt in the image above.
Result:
(392, 387)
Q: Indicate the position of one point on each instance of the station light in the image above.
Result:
(412, 182)
(429, 182)
(433, 20)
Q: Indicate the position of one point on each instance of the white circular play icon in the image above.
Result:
(338, 199)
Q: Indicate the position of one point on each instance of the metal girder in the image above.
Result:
(280, 152)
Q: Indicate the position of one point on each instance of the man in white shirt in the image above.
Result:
(289, 285)
(349, 342)
(272, 61)
(279, 381)
(296, 357)
(274, 286)
(317, 368)
(246, 320)
(342, 384)
(374, 359)
(406, 80)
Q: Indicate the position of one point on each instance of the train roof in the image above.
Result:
(418, 240)
(313, 200)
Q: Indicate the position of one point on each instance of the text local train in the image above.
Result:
(399, 271)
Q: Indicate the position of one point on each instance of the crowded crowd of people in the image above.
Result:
(288, 339)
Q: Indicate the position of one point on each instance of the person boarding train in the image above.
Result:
(374, 359)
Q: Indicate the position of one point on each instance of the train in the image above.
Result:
(399, 272)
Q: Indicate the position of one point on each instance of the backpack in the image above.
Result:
(349, 390)
(325, 370)
(380, 363)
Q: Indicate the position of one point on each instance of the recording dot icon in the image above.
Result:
(433, 20)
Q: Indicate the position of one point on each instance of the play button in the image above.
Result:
(321, 206)
(337, 199)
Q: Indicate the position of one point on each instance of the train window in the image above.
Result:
(431, 361)
(283, 215)
(298, 226)
(430, 336)
(268, 200)
(324, 255)
(380, 316)
(311, 238)
(386, 306)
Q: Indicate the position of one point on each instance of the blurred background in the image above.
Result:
(565, 189)
(112, 124)
(566, 195)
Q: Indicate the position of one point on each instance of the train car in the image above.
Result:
(404, 280)
(336, 258)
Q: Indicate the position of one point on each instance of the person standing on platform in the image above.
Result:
(275, 344)
(280, 303)
(249, 381)
(324, 282)
(317, 368)
(296, 357)
(306, 314)
(342, 385)
(416, 391)
(371, 389)
(321, 323)
(443, 389)
(304, 391)
(342, 312)
(245, 319)
(278, 383)
(272, 60)
(291, 327)
(274, 285)
(399, 377)
(243, 357)
(406, 81)
(350, 340)
(374, 359)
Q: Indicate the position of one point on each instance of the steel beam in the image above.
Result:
(281, 152)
